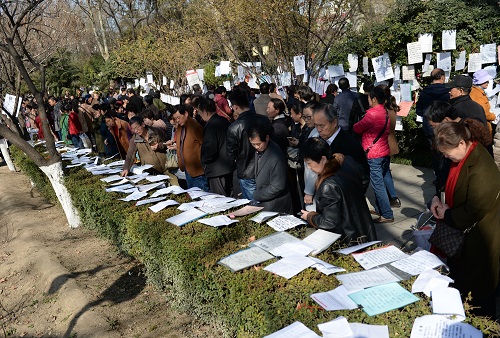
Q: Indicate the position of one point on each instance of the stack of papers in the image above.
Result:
(274, 240)
(336, 299)
(320, 240)
(418, 262)
(365, 279)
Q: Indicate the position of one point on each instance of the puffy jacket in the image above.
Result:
(478, 95)
(369, 128)
(239, 149)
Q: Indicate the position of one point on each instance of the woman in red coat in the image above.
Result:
(74, 126)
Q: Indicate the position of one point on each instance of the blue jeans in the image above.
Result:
(389, 183)
(248, 187)
(77, 141)
(379, 169)
(198, 181)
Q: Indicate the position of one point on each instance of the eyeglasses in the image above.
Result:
(307, 117)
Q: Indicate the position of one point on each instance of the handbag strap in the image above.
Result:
(379, 134)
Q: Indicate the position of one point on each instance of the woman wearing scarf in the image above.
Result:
(471, 202)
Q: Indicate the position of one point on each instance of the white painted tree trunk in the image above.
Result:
(4, 147)
(56, 176)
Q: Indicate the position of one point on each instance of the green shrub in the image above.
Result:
(183, 263)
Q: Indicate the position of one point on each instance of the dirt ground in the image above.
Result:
(62, 282)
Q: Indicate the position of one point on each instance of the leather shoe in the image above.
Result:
(382, 219)
(395, 203)
(374, 212)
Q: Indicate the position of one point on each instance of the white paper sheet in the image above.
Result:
(148, 187)
(189, 205)
(295, 330)
(134, 196)
(289, 266)
(238, 203)
(369, 331)
(353, 62)
(337, 328)
(120, 188)
(460, 61)
(414, 50)
(418, 262)
(274, 240)
(186, 217)
(425, 277)
(444, 61)
(111, 178)
(354, 248)
(197, 194)
(365, 65)
(218, 221)
(246, 210)
(245, 258)
(449, 40)
(336, 70)
(365, 279)
(336, 299)
(320, 240)
(408, 73)
(299, 63)
(382, 67)
(162, 205)
(282, 223)
(435, 326)
(122, 182)
(488, 53)
(447, 302)
(474, 62)
(427, 63)
(425, 41)
(149, 200)
(324, 267)
(380, 256)
(157, 178)
(263, 216)
(139, 169)
(291, 249)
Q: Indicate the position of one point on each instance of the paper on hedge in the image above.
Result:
(336, 299)
(274, 240)
(435, 326)
(367, 278)
(379, 256)
(320, 240)
(245, 258)
(295, 330)
(186, 217)
(354, 248)
(447, 302)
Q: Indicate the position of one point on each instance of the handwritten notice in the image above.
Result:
(365, 66)
(368, 278)
(380, 256)
(383, 298)
(418, 262)
(408, 73)
(358, 247)
(282, 223)
(336, 299)
(488, 53)
(245, 258)
(435, 326)
(460, 61)
(299, 63)
(444, 61)
(336, 70)
(353, 62)
(425, 41)
(474, 62)
(192, 78)
(383, 68)
(414, 52)
(449, 40)
(274, 241)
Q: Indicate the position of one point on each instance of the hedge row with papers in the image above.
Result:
(216, 256)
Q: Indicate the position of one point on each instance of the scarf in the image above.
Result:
(455, 169)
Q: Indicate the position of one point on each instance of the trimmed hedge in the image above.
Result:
(183, 263)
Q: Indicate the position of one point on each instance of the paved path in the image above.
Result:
(414, 187)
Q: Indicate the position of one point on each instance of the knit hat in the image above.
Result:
(481, 76)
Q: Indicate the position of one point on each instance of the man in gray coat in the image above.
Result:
(272, 190)
(260, 103)
(344, 102)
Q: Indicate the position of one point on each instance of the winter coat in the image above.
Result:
(213, 149)
(369, 128)
(466, 108)
(272, 189)
(239, 149)
(156, 158)
(189, 148)
(478, 95)
(341, 205)
(74, 124)
(431, 93)
(476, 270)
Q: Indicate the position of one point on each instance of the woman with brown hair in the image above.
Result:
(471, 205)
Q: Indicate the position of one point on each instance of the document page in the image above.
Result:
(291, 249)
(246, 210)
(289, 266)
(369, 331)
(337, 328)
(162, 205)
(447, 302)
(336, 299)
(218, 221)
(274, 240)
(320, 240)
(245, 258)
(380, 256)
(262, 216)
(282, 223)
(354, 248)
(418, 262)
(149, 200)
(435, 326)
(186, 217)
(295, 330)
(367, 278)
(325, 267)
(383, 298)
(134, 196)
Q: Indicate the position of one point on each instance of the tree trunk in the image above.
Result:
(56, 176)
(6, 155)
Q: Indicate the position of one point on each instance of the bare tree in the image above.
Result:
(22, 27)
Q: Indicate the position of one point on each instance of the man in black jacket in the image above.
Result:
(214, 160)
(460, 88)
(135, 99)
(239, 149)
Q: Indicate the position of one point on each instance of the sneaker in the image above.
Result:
(382, 219)
(395, 202)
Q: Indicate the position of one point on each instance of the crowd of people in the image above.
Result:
(309, 156)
